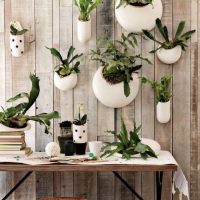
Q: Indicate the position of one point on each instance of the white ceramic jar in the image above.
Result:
(17, 45)
(163, 112)
(80, 134)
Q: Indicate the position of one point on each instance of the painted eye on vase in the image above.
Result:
(83, 131)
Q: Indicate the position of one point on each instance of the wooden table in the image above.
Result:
(157, 169)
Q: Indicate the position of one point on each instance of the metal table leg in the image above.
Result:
(159, 179)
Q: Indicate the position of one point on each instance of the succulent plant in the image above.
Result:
(15, 28)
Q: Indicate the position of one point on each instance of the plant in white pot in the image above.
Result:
(170, 50)
(163, 95)
(65, 75)
(84, 20)
(15, 117)
(136, 15)
(17, 39)
(116, 82)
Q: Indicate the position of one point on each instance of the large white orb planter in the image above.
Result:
(4, 128)
(136, 18)
(84, 30)
(112, 95)
(17, 45)
(169, 56)
(65, 83)
(163, 112)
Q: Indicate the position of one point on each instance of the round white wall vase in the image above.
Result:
(163, 112)
(4, 128)
(17, 45)
(153, 144)
(112, 95)
(52, 149)
(65, 83)
(169, 56)
(80, 134)
(84, 30)
(136, 18)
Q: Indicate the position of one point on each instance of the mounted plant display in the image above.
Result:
(15, 118)
(129, 144)
(116, 82)
(84, 21)
(142, 13)
(65, 75)
(163, 95)
(170, 51)
(17, 39)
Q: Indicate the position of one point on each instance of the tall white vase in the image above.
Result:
(80, 134)
(163, 112)
(17, 45)
(84, 30)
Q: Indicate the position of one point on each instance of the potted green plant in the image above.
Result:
(169, 51)
(84, 20)
(130, 144)
(116, 83)
(15, 118)
(142, 13)
(17, 39)
(163, 95)
(65, 75)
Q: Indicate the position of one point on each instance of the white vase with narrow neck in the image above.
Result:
(84, 30)
(17, 45)
(4, 128)
(163, 112)
(80, 134)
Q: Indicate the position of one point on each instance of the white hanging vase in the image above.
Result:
(169, 56)
(4, 128)
(65, 83)
(112, 95)
(163, 112)
(84, 30)
(136, 18)
(17, 45)
(80, 134)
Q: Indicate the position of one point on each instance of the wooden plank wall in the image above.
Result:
(53, 23)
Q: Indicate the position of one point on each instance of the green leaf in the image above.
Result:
(126, 89)
(18, 96)
(55, 53)
(180, 29)
(162, 30)
(22, 32)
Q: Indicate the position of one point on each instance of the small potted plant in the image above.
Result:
(130, 145)
(142, 13)
(17, 39)
(80, 134)
(15, 118)
(84, 21)
(162, 96)
(170, 51)
(65, 75)
(116, 83)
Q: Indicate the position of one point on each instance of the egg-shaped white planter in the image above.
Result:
(136, 18)
(65, 83)
(17, 45)
(112, 95)
(169, 56)
(4, 128)
(163, 112)
(80, 134)
(84, 30)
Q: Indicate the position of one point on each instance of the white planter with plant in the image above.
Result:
(136, 15)
(116, 83)
(17, 39)
(169, 51)
(84, 29)
(65, 75)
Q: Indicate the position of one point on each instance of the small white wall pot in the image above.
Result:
(84, 30)
(112, 95)
(17, 45)
(136, 18)
(4, 128)
(80, 134)
(163, 112)
(65, 83)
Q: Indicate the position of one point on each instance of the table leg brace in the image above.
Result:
(159, 178)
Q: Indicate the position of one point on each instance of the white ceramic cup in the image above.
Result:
(95, 147)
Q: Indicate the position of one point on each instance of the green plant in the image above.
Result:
(134, 2)
(81, 119)
(127, 144)
(15, 29)
(16, 117)
(180, 38)
(86, 7)
(118, 64)
(64, 68)
(162, 89)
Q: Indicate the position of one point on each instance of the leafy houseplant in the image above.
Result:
(135, 2)
(127, 144)
(16, 117)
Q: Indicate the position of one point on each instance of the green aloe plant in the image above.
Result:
(16, 117)
(180, 38)
(134, 2)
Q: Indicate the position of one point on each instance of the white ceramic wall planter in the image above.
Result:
(169, 56)
(112, 95)
(135, 18)
(8, 129)
(84, 30)
(163, 112)
(80, 134)
(17, 45)
(65, 83)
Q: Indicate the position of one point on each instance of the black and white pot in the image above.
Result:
(112, 95)
(4, 128)
(65, 83)
(136, 18)
(163, 112)
(84, 30)
(17, 45)
(169, 56)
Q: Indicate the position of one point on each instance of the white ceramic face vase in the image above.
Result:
(17, 45)
(80, 133)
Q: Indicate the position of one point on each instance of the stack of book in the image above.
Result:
(13, 143)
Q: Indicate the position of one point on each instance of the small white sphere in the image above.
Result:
(52, 149)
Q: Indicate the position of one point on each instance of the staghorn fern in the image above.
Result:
(134, 2)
